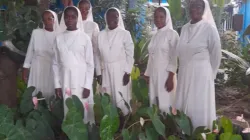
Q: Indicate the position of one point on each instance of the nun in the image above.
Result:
(73, 63)
(162, 62)
(199, 53)
(116, 55)
(37, 67)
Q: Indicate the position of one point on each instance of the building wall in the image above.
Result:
(245, 10)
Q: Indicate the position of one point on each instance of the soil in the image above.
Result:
(232, 102)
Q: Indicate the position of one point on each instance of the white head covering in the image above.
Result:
(90, 14)
(56, 23)
(169, 23)
(79, 24)
(207, 15)
(120, 22)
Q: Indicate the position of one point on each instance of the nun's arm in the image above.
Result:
(129, 50)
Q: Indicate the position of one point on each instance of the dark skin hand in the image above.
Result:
(126, 78)
(85, 93)
(59, 92)
(169, 85)
(99, 79)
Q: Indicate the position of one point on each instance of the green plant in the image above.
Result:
(28, 122)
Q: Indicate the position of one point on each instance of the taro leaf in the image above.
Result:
(226, 124)
(46, 116)
(211, 136)
(98, 108)
(6, 115)
(73, 125)
(38, 126)
(26, 104)
(225, 136)
(184, 123)
(158, 125)
(56, 107)
(151, 134)
(105, 102)
(125, 134)
(236, 137)
(109, 125)
(134, 133)
(172, 137)
(93, 131)
(199, 130)
(78, 104)
(11, 132)
(142, 136)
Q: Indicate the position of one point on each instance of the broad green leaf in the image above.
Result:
(6, 115)
(56, 107)
(236, 137)
(109, 126)
(211, 136)
(11, 132)
(142, 136)
(172, 137)
(199, 130)
(78, 104)
(125, 134)
(220, 3)
(98, 108)
(135, 73)
(94, 132)
(184, 123)
(74, 126)
(158, 125)
(151, 134)
(26, 104)
(225, 136)
(175, 8)
(227, 125)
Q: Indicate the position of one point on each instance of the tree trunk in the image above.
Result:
(8, 81)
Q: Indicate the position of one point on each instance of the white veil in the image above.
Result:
(56, 23)
(169, 23)
(79, 21)
(120, 22)
(90, 14)
(207, 15)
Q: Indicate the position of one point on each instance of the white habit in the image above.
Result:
(199, 53)
(74, 65)
(162, 60)
(39, 59)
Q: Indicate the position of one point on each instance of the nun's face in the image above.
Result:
(112, 19)
(196, 9)
(159, 19)
(70, 17)
(84, 8)
(48, 20)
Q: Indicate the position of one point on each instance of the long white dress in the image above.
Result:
(92, 30)
(199, 53)
(162, 60)
(116, 57)
(39, 59)
(74, 66)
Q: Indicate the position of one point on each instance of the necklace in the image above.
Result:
(112, 41)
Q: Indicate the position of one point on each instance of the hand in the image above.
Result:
(85, 93)
(58, 92)
(169, 85)
(126, 78)
(146, 79)
(99, 79)
(25, 75)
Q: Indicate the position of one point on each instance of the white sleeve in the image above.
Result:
(147, 72)
(90, 65)
(30, 52)
(214, 47)
(172, 66)
(129, 50)
(95, 43)
(56, 69)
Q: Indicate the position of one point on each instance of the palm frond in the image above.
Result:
(238, 60)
